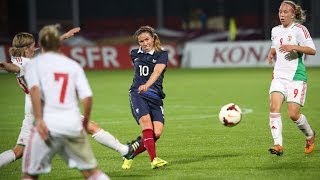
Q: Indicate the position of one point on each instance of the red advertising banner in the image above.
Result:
(103, 57)
(100, 57)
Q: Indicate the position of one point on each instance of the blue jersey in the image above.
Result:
(144, 64)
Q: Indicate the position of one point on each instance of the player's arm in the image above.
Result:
(84, 92)
(9, 67)
(33, 82)
(87, 106)
(70, 33)
(271, 55)
(301, 49)
(306, 45)
(272, 52)
(158, 69)
(36, 102)
(37, 111)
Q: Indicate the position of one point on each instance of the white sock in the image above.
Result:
(276, 128)
(7, 157)
(303, 125)
(99, 176)
(107, 139)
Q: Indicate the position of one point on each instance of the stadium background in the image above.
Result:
(101, 19)
(107, 26)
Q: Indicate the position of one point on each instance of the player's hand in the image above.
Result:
(42, 129)
(270, 58)
(85, 123)
(291, 55)
(271, 55)
(286, 48)
(2, 66)
(143, 88)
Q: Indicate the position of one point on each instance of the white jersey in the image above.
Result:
(296, 34)
(61, 80)
(21, 63)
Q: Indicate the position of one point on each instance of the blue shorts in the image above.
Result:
(142, 105)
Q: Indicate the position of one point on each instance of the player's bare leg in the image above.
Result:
(275, 123)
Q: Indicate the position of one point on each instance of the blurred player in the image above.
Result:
(146, 93)
(290, 42)
(23, 48)
(55, 82)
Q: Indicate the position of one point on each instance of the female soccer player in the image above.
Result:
(146, 93)
(55, 83)
(23, 47)
(22, 50)
(290, 42)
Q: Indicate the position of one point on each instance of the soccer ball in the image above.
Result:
(230, 115)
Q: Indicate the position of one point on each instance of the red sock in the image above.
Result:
(149, 143)
(141, 148)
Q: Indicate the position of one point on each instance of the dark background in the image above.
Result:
(100, 18)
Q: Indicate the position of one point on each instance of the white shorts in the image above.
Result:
(293, 91)
(27, 122)
(75, 151)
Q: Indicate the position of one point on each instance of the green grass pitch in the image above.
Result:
(195, 143)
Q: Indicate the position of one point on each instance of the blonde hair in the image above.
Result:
(153, 34)
(20, 42)
(299, 13)
(49, 38)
